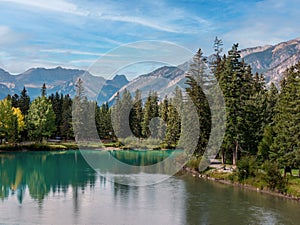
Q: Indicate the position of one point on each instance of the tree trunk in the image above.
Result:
(223, 156)
(234, 155)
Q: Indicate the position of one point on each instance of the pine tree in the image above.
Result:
(24, 102)
(173, 126)
(136, 115)
(57, 103)
(15, 100)
(66, 128)
(103, 122)
(78, 107)
(286, 145)
(236, 84)
(44, 90)
(197, 79)
(163, 114)
(218, 43)
(264, 147)
(115, 115)
(254, 113)
(272, 96)
(150, 111)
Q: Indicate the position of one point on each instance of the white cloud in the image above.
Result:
(70, 51)
(53, 5)
(9, 37)
(267, 22)
(141, 21)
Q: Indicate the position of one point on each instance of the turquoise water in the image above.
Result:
(62, 188)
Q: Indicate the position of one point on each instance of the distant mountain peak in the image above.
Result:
(120, 77)
(273, 60)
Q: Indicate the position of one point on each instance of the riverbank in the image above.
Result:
(56, 146)
(69, 145)
(227, 178)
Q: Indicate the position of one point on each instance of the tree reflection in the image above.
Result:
(43, 172)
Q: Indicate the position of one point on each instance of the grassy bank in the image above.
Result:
(53, 146)
(292, 188)
(288, 187)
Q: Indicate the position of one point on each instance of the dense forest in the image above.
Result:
(261, 122)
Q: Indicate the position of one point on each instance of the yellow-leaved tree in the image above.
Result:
(11, 121)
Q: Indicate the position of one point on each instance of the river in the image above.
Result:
(62, 188)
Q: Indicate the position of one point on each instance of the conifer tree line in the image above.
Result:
(260, 121)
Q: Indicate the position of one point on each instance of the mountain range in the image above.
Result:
(59, 80)
(271, 60)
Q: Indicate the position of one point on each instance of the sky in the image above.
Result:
(76, 33)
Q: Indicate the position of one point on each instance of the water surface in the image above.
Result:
(61, 188)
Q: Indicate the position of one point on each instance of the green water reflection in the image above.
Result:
(62, 188)
(42, 172)
(45, 172)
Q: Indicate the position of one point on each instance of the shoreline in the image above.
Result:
(239, 185)
(194, 173)
(35, 147)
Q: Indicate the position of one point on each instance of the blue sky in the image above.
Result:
(75, 33)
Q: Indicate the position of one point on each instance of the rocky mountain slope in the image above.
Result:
(59, 79)
(272, 61)
(163, 80)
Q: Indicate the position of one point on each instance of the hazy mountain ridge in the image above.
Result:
(57, 79)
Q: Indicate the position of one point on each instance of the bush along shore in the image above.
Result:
(266, 178)
(53, 145)
(58, 146)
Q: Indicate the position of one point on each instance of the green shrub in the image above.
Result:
(194, 162)
(273, 177)
(247, 167)
(231, 177)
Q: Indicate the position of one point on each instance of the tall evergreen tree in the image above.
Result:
(271, 100)
(24, 102)
(57, 104)
(66, 128)
(15, 100)
(115, 115)
(197, 78)
(236, 81)
(173, 126)
(163, 114)
(44, 90)
(286, 145)
(151, 111)
(78, 107)
(136, 115)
